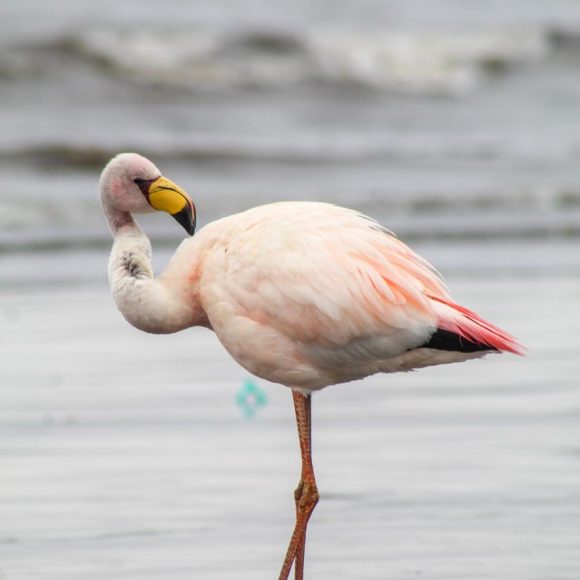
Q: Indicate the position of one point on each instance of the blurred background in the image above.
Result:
(454, 123)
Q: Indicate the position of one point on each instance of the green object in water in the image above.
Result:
(250, 398)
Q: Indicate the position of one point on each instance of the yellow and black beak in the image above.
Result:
(164, 195)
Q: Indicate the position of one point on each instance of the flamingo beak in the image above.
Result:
(164, 195)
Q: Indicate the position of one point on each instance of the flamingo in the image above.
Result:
(303, 294)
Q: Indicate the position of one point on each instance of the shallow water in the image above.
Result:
(124, 455)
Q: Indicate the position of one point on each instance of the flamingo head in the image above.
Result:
(131, 183)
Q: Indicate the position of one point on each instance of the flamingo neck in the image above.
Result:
(119, 220)
(148, 303)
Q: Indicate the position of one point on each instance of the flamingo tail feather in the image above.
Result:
(463, 330)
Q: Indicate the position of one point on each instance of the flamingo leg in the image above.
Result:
(306, 494)
(299, 560)
(298, 492)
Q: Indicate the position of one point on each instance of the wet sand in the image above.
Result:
(124, 456)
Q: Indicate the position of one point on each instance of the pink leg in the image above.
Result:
(299, 561)
(306, 494)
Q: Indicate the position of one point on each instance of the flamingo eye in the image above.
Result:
(143, 185)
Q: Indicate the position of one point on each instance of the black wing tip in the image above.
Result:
(450, 341)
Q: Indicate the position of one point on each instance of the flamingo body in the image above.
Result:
(311, 294)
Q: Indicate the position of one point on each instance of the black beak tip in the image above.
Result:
(186, 219)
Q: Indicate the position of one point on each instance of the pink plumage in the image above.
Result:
(310, 294)
(468, 325)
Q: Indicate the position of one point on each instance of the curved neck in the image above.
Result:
(119, 219)
(147, 303)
